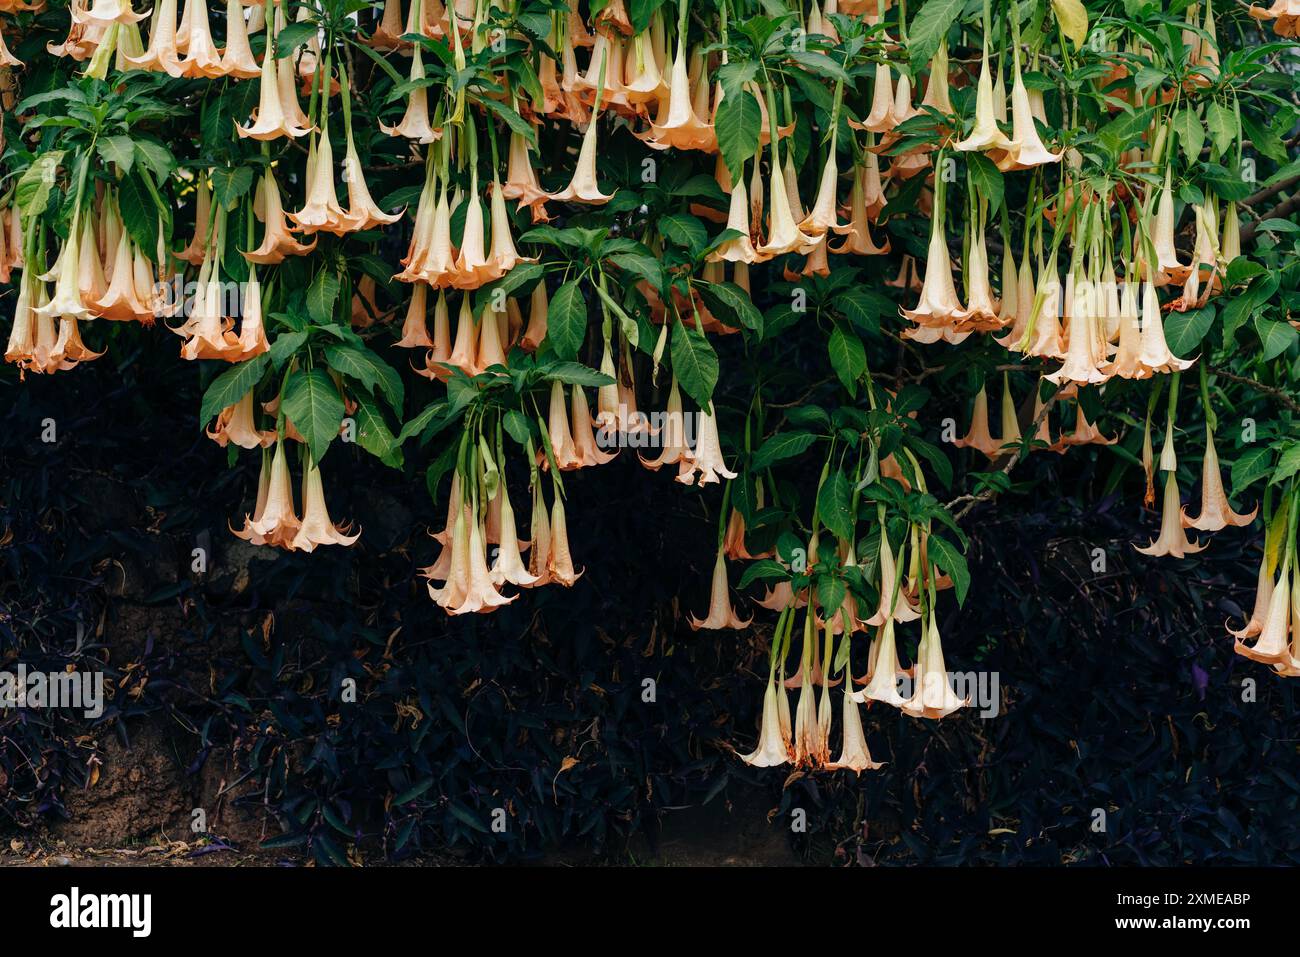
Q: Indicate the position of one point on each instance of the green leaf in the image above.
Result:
(929, 27)
(952, 562)
(292, 36)
(413, 792)
(834, 505)
(139, 208)
(1185, 330)
(315, 407)
(765, 569)
(848, 357)
(373, 433)
(685, 230)
(1251, 466)
(739, 125)
(322, 294)
(642, 266)
(566, 320)
(731, 305)
(1276, 337)
(781, 446)
(830, 594)
(988, 180)
(119, 150)
(360, 363)
(1287, 465)
(231, 386)
(418, 424)
(230, 183)
(1222, 123)
(694, 363)
(575, 373)
(33, 191)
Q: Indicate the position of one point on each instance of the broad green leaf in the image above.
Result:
(731, 305)
(373, 433)
(231, 386)
(322, 294)
(362, 364)
(1275, 337)
(1185, 330)
(988, 180)
(685, 230)
(848, 357)
(119, 150)
(230, 183)
(833, 505)
(781, 446)
(312, 402)
(952, 562)
(33, 190)
(566, 320)
(929, 27)
(694, 363)
(1251, 466)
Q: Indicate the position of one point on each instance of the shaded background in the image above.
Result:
(1120, 689)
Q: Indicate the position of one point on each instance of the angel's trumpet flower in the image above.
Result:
(105, 12)
(1168, 268)
(509, 565)
(1127, 360)
(206, 330)
(453, 564)
(270, 121)
(939, 304)
(883, 683)
(584, 432)
(415, 329)
(66, 300)
(563, 448)
(985, 136)
(857, 230)
(1021, 307)
(122, 300)
(20, 348)
(161, 54)
(387, 34)
(1081, 358)
(1216, 513)
(604, 76)
(362, 212)
(810, 743)
(771, 751)
(1154, 353)
(936, 85)
(1263, 594)
(1085, 433)
(538, 304)
(893, 607)
(235, 423)
(521, 180)
(673, 446)
(1285, 15)
(982, 311)
(317, 528)
(721, 614)
(252, 332)
(1271, 646)
(978, 437)
(415, 123)
(854, 754)
(197, 248)
(822, 217)
(559, 561)
(237, 58)
(481, 596)
(1027, 149)
(881, 118)
(464, 351)
(504, 257)
(741, 249)
(277, 242)
(321, 212)
(201, 58)
(783, 233)
(932, 696)
(490, 353)
(1172, 539)
(644, 82)
(681, 128)
(706, 461)
(583, 188)
(1044, 329)
(275, 523)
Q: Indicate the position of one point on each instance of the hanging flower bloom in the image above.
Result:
(274, 521)
(235, 423)
(1216, 513)
(317, 528)
(720, 613)
(559, 561)
(771, 751)
(933, 696)
(278, 242)
(978, 436)
(706, 461)
(1172, 540)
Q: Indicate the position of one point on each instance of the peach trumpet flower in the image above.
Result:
(720, 615)
(535, 332)
(893, 607)
(584, 432)
(362, 212)
(270, 120)
(321, 212)
(1154, 351)
(583, 188)
(674, 449)
(481, 595)
(235, 423)
(521, 180)
(740, 249)
(1285, 15)
(124, 300)
(783, 233)
(681, 128)
(1263, 594)
(201, 59)
(162, 54)
(509, 565)
(1172, 539)
(559, 560)
(565, 451)
(277, 242)
(1271, 646)
(1216, 513)
(274, 521)
(706, 461)
(857, 231)
(938, 305)
(883, 682)
(822, 217)
(771, 751)
(237, 58)
(415, 123)
(932, 696)
(415, 328)
(1026, 150)
(978, 436)
(854, 754)
(985, 136)
(1081, 358)
(105, 12)
(317, 528)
